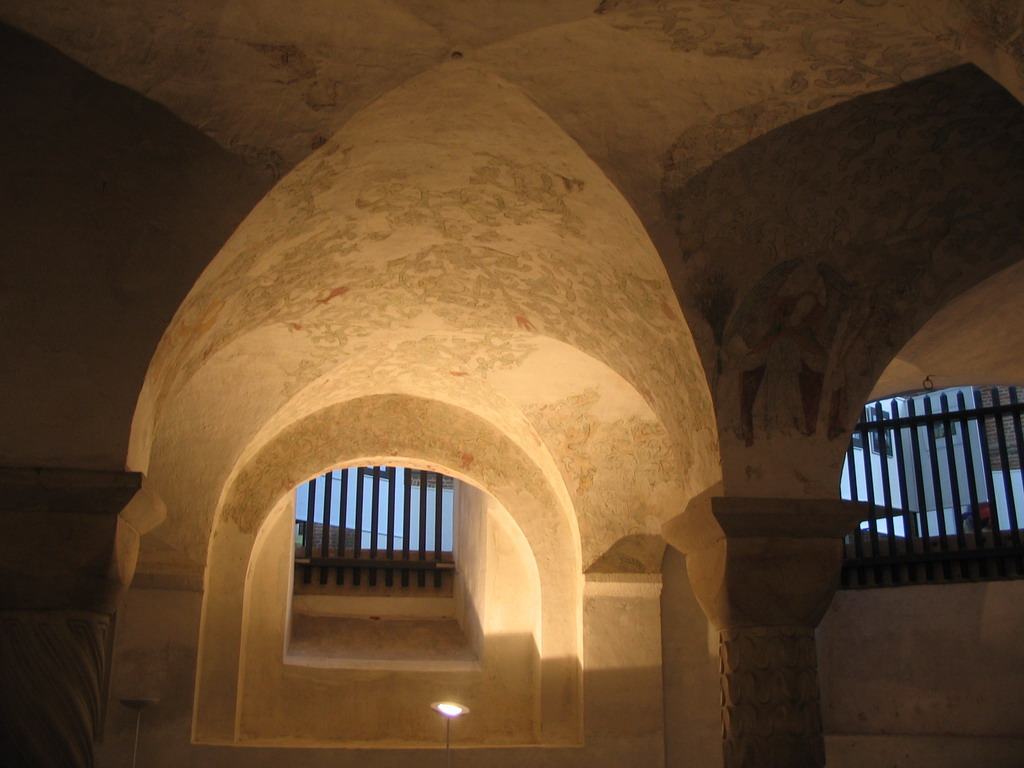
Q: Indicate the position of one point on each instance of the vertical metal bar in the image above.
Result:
(343, 511)
(954, 482)
(325, 537)
(990, 489)
(1018, 434)
(423, 525)
(1004, 458)
(325, 529)
(1018, 439)
(307, 572)
(922, 499)
(890, 525)
(310, 510)
(869, 484)
(858, 540)
(449, 525)
(391, 475)
(389, 575)
(406, 522)
(967, 446)
(138, 707)
(357, 544)
(901, 475)
(438, 493)
(374, 519)
(940, 503)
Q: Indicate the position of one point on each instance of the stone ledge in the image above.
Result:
(710, 519)
(923, 751)
(66, 490)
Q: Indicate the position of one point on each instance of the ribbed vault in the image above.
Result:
(853, 224)
(451, 243)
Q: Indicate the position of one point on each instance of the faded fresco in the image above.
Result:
(325, 287)
(824, 207)
(391, 426)
(737, 30)
(606, 259)
(621, 476)
(444, 279)
(824, 57)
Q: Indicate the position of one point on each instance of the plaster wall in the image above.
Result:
(110, 207)
(427, 249)
(910, 677)
(924, 676)
(693, 725)
(957, 346)
(378, 674)
(793, 343)
(884, 703)
(155, 657)
(279, 467)
(471, 558)
(622, 678)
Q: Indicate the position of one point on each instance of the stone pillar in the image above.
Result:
(69, 541)
(764, 572)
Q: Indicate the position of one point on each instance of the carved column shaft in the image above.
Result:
(770, 708)
(68, 547)
(764, 572)
(50, 691)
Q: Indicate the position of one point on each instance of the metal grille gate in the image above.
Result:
(366, 521)
(941, 472)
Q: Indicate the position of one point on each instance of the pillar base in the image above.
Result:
(764, 571)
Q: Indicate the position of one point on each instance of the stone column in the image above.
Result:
(69, 541)
(764, 572)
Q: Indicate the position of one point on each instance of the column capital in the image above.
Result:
(69, 539)
(764, 571)
(707, 520)
(763, 562)
(27, 489)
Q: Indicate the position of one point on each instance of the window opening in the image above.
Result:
(941, 473)
(360, 522)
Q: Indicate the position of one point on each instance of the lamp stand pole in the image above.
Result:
(138, 705)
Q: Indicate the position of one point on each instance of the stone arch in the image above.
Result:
(965, 343)
(427, 232)
(862, 218)
(370, 430)
(986, 33)
(453, 261)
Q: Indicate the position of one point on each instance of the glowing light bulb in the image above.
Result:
(449, 708)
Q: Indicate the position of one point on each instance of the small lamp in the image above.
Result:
(449, 710)
(138, 705)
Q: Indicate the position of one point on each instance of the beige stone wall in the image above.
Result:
(376, 674)
(562, 249)
(924, 676)
(110, 209)
(919, 676)
(155, 657)
(693, 721)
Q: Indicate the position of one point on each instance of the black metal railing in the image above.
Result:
(367, 521)
(941, 473)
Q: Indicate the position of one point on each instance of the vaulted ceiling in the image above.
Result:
(778, 156)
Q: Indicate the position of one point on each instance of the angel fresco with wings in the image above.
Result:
(778, 344)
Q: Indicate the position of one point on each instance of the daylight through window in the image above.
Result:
(366, 526)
